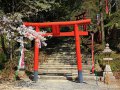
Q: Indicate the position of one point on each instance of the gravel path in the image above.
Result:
(57, 85)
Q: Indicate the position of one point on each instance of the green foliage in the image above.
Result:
(115, 63)
(98, 48)
(8, 71)
(29, 61)
(9, 67)
(90, 7)
(114, 20)
(2, 57)
(1, 13)
(31, 10)
(25, 5)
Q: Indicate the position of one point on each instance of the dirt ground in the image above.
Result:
(117, 75)
(7, 85)
(10, 86)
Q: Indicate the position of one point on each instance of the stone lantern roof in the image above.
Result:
(107, 49)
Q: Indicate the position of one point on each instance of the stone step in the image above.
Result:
(60, 49)
(62, 66)
(64, 63)
(50, 77)
(59, 54)
(56, 63)
(66, 52)
(47, 65)
(63, 46)
(63, 42)
(58, 68)
(65, 74)
(65, 57)
(55, 71)
(62, 55)
(61, 70)
(61, 58)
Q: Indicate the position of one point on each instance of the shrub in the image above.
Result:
(115, 63)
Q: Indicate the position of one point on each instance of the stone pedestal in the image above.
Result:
(108, 75)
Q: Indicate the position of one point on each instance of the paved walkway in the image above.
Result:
(58, 85)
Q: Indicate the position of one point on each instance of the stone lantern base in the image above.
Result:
(108, 75)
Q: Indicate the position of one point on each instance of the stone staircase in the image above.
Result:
(61, 63)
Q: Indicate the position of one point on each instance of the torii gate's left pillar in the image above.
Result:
(36, 56)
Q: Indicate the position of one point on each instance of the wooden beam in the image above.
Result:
(81, 33)
(65, 23)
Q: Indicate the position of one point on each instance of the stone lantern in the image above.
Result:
(108, 75)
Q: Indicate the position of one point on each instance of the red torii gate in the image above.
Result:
(56, 33)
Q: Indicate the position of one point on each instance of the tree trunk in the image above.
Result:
(102, 29)
(102, 22)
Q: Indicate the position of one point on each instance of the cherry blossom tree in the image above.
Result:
(11, 31)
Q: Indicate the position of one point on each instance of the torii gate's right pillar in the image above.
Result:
(78, 53)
